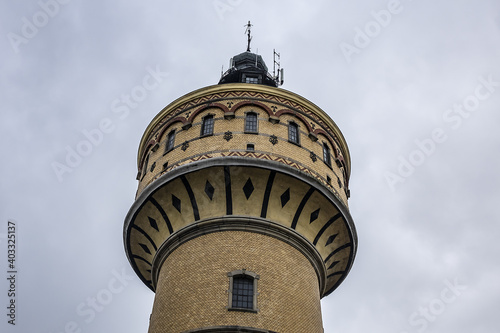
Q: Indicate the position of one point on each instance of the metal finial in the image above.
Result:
(247, 31)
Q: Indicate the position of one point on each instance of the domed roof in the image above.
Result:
(248, 67)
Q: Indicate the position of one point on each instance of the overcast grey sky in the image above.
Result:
(413, 85)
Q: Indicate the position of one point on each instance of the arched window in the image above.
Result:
(326, 154)
(207, 126)
(251, 122)
(243, 291)
(170, 141)
(293, 132)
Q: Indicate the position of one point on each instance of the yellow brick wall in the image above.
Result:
(193, 285)
(216, 146)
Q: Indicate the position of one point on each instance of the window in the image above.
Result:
(251, 80)
(207, 126)
(243, 290)
(326, 154)
(251, 122)
(145, 166)
(293, 132)
(250, 147)
(170, 141)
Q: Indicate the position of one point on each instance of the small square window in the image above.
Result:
(250, 147)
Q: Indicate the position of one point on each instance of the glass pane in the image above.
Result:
(242, 292)
(251, 122)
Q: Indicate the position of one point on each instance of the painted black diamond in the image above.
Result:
(314, 215)
(145, 248)
(330, 239)
(313, 157)
(285, 197)
(153, 223)
(333, 264)
(209, 190)
(176, 202)
(185, 145)
(248, 188)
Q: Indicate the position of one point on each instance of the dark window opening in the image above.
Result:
(207, 126)
(251, 122)
(250, 147)
(145, 166)
(170, 141)
(326, 154)
(293, 132)
(242, 292)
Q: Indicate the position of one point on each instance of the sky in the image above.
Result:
(413, 85)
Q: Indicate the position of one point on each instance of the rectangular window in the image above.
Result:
(243, 292)
(145, 166)
(293, 132)
(170, 141)
(250, 79)
(251, 122)
(207, 126)
(326, 154)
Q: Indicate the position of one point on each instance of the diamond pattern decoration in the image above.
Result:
(185, 145)
(285, 197)
(313, 157)
(314, 216)
(176, 202)
(152, 223)
(333, 264)
(145, 248)
(248, 188)
(209, 190)
(330, 239)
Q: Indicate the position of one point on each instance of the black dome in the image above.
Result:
(248, 67)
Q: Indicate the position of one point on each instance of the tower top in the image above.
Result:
(248, 67)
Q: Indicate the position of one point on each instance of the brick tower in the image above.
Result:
(241, 222)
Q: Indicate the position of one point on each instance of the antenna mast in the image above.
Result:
(276, 63)
(247, 31)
